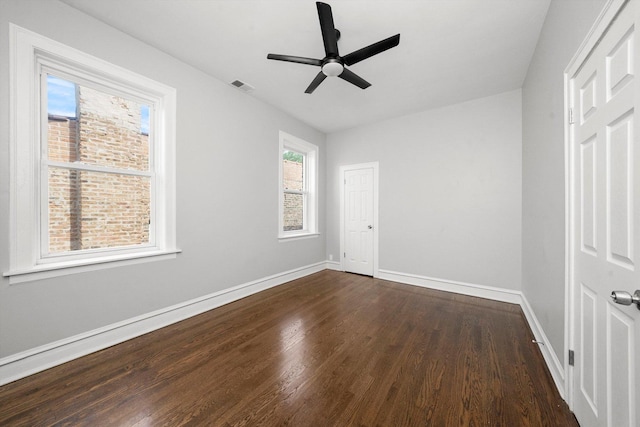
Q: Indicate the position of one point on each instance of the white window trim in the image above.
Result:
(310, 215)
(26, 263)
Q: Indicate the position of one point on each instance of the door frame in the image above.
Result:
(376, 223)
(608, 13)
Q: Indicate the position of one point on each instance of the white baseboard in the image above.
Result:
(497, 294)
(333, 265)
(553, 363)
(488, 292)
(44, 357)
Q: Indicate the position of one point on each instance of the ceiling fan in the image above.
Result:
(333, 64)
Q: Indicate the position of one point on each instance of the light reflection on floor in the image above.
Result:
(294, 361)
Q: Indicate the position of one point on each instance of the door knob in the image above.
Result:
(625, 298)
(369, 227)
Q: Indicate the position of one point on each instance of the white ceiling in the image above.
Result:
(450, 50)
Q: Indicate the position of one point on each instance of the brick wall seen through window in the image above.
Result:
(293, 180)
(93, 209)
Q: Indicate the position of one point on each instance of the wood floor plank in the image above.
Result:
(330, 349)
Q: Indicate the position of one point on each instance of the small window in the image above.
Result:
(92, 162)
(298, 187)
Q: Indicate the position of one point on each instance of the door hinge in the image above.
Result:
(344, 255)
(572, 356)
(570, 116)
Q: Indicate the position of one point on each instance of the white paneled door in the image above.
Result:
(358, 220)
(606, 227)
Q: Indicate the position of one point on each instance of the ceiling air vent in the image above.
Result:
(245, 87)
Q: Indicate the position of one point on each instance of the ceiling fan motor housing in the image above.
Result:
(332, 67)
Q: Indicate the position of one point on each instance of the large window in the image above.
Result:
(93, 161)
(298, 187)
(97, 175)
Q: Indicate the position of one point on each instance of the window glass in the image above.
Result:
(96, 209)
(61, 97)
(92, 210)
(103, 129)
(294, 190)
(293, 170)
(293, 212)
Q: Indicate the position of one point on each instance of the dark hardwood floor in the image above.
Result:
(331, 349)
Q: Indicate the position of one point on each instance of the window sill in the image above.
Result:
(300, 236)
(46, 271)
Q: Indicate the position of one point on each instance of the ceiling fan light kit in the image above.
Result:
(332, 68)
(333, 65)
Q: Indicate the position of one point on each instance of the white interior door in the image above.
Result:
(358, 220)
(606, 229)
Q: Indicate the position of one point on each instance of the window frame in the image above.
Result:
(30, 55)
(310, 187)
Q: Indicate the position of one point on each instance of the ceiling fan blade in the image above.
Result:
(369, 51)
(316, 82)
(297, 59)
(329, 35)
(352, 77)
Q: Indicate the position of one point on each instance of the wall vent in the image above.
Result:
(245, 87)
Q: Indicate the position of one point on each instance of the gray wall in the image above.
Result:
(543, 196)
(450, 185)
(227, 230)
(480, 186)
